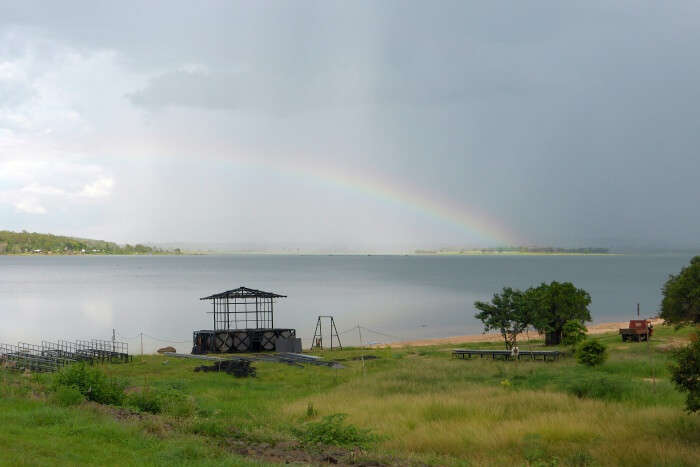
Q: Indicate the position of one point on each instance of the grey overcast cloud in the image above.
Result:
(353, 125)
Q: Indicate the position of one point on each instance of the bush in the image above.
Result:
(573, 332)
(146, 400)
(591, 353)
(685, 373)
(92, 383)
(67, 396)
(332, 430)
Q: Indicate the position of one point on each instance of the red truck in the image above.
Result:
(639, 330)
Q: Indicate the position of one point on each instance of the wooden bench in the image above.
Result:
(543, 355)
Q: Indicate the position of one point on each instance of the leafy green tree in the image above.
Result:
(685, 373)
(591, 353)
(681, 296)
(556, 303)
(507, 313)
(573, 332)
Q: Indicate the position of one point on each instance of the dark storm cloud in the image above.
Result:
(571, 122)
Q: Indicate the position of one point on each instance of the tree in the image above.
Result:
(507, 313)
(685, 373)
(556, 303)
(681, 296)
(573, 332)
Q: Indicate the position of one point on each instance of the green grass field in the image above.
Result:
(410, 406)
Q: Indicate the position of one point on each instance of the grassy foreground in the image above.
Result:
(406, 406)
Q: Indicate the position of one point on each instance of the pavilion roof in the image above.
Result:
(243, 292)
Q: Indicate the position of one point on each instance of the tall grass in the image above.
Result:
(460, 411)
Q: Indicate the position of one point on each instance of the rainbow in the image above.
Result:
(472, 222)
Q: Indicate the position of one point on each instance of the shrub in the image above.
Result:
(332, 430)
(92, 383)
(591, 353)
(685, 373)
(573, 332)
(146, 400)
(66, 396)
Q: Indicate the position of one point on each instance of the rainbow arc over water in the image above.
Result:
(476, 224)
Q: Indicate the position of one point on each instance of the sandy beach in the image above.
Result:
(600, 328)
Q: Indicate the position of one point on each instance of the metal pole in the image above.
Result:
(141, 346)
(651, 361)
(362, 354)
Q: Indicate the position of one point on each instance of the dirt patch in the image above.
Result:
(118, 413)
(292, 452)
(237, 368)
(361, 357)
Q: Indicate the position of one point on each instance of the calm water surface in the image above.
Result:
(400, 296)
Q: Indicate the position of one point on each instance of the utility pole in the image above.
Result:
(114, 338)
(637, 310)
(142, 346)
(362, 355)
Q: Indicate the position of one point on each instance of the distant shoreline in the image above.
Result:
(514, 253)
(286, 253)
(95, 254)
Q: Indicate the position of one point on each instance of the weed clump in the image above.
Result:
(146, 400)
(311, 412)
(67, 396)
(603, 388)
(332, 430)
(155, 401)
(91, 383)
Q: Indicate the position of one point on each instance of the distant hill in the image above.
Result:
(38, 243)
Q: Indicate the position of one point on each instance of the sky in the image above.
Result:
(352, 125)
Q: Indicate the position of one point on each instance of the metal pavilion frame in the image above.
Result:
(243, 308)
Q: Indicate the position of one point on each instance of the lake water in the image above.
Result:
(44, 297)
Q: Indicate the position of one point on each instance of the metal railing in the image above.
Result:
(50, 356)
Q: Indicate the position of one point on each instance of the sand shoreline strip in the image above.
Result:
(600, 328)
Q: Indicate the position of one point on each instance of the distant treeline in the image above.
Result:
(545, 249)
(517, 249)
(37, 243)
